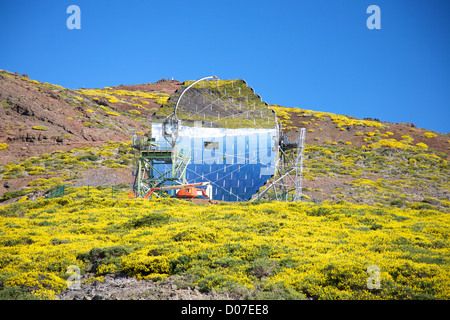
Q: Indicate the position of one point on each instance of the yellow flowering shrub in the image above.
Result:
(162, 100)
(36, 170)
(407, 137)
(422, 145)
(3, 146)
(320, 251)
(42, 128)
(43, 184)
(391, 143)
(429, 135)
(112, 95)
(340, 120)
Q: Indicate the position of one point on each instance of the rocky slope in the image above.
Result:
(39, 117)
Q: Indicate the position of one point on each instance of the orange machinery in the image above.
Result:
(186, 190)
(191, 192)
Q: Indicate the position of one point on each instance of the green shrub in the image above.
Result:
(397, 203)
(153, 219)
(261, 268)
(16, 293)
(14, 194)
(90, 157)
(6, 105)
(42, 128)
(103, 256)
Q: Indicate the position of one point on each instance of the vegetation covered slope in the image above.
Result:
(39, 117)
(249, 250)
(375, 193)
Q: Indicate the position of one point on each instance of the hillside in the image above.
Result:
(235, 251)
(39, 117)
(63, 133)
(375, 193)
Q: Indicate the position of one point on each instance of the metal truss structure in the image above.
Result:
(147, 178)
(286, 184)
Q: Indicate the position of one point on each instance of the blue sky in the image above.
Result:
(314, 54)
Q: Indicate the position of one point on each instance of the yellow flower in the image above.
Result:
(423, 145)
(429, 135)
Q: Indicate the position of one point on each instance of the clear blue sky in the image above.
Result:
(315, 54)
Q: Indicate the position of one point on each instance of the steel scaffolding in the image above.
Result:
(149, 159)
(286, 184)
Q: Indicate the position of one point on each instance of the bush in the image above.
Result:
(261, 268)
(97, 258)
(15, 293)
(429, 135)
(42, 128)
(14, 194)
(320, 211)
(14, 210)
(90, 157)
(397, 203)
(153, 219)
(423, 145)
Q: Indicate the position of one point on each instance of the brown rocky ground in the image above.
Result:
(40, 117)
(122, 287)
(332, 133)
